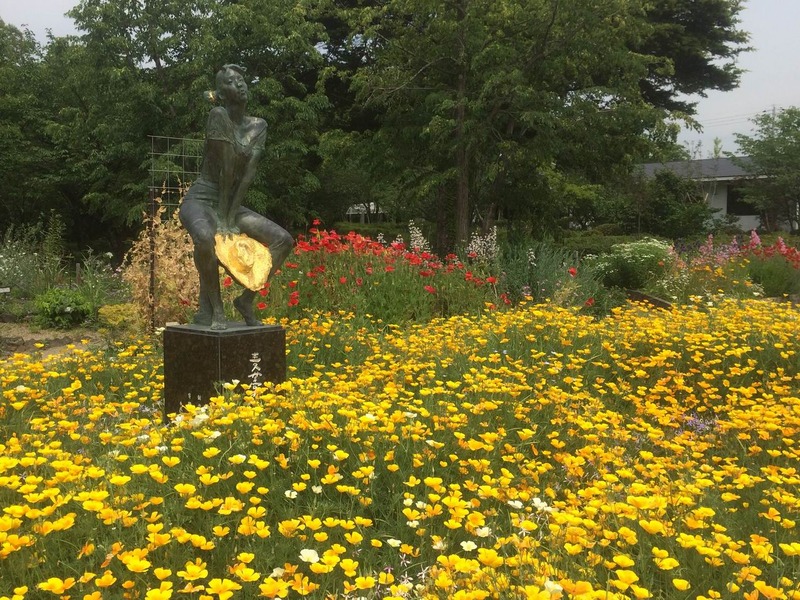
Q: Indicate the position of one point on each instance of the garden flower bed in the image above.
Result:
(533, 452)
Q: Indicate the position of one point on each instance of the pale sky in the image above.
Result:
(772, 79)
(39, 16)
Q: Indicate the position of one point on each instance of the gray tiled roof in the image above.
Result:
(704, 169)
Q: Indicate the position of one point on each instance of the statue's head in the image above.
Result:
(231, 87)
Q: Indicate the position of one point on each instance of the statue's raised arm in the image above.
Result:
(212, 210)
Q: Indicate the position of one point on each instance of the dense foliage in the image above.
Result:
(441, 110)
(773, 152)
(665, 205)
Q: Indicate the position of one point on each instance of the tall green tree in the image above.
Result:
(773, 158)
(694, 44)
(499, 102)
(26, 188)
(522, 107)
(141, 68)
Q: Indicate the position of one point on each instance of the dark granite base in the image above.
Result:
(197, 358)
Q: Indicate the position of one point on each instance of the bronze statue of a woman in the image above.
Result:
(213, 205)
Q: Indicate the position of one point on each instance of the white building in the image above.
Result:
(365, 213)
(720, 180)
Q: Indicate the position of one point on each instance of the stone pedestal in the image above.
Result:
(197, 358)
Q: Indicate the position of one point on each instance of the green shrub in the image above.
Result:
(536, 269)
(666, 205)
(775, 274)
(120, 318)
(686, 281)
(98, 282)
(545, 272)
(633, 265)
(62, 308)
(594, 244)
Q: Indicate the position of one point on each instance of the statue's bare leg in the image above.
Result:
(211, 312)
(203, 314)
(244, 304)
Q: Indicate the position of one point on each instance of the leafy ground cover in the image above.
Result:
(534, 452)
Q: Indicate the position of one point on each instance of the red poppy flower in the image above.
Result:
(572, 271)
(261, 305)
(491, 280)
(227, 282)
(316, 222)
(589, 302)
(343, 280)
(430, 289)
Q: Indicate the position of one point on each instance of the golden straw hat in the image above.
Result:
(248, 261)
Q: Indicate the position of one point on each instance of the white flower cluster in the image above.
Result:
(418, 243)
(14, 261)
(484, 247)
(531, 257)
(195, 420)
(10, 270)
